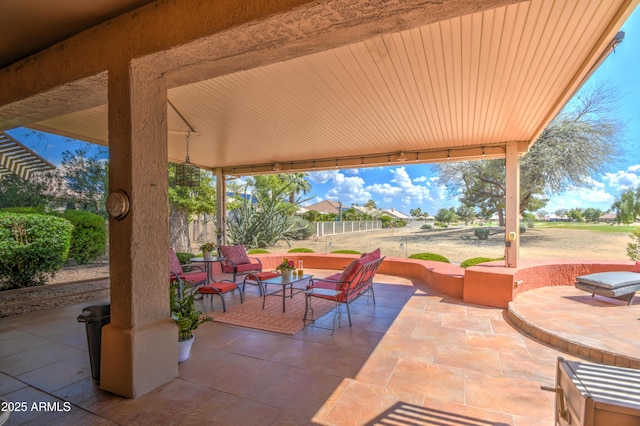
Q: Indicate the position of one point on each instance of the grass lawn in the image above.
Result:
(598, 227)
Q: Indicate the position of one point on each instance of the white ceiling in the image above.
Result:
(457, 88)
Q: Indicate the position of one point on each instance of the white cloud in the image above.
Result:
(402, 192)
(623, 180)
(324, 176)
(581, 198)
(348, 190)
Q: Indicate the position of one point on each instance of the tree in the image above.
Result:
(18, 192)
(371, 205)
(185, 202)
(270, 185)
(88, 179)
(466, 213)
(416, 212)
(579, 143)
(591, 214)
(299, 184)
(446, 215)
(627, 206)
(575, 215)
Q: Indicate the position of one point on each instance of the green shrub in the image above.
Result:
(482, 233)
(429, 256)
(32, 248)
(523, 228)
(633, 247)
(25, 210)
(184, 258)
(89, 236)
(301, 250)
(476, 260)
(426, 226)
(302, 229)
(346, 252)
(257, 251)
(440, 225)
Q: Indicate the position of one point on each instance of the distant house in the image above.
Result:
(325, 207)
(396, 214)
(608, 217)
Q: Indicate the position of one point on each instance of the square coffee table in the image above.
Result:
(283, 283)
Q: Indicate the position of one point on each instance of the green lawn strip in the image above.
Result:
(627, 229)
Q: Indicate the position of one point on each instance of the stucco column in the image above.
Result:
(221, 207)
(512, 205)
(139, 346)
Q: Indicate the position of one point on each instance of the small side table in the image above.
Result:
(208, 261)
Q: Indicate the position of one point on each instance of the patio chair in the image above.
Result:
(237, 262)
(220, 288)
(346, 287)
(194, 278)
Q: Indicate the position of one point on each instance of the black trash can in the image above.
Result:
(94, 318)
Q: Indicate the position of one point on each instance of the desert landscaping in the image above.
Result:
(456, 244)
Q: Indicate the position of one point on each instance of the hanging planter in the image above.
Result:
(187, 174)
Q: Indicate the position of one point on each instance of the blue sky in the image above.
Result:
(414, 186)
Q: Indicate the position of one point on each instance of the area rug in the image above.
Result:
(250, 313)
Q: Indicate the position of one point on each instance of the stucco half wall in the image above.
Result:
(489, 284)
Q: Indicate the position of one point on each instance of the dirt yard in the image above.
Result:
(455, 244)
(458, 244)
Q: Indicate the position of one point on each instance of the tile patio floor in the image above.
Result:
(415, 357)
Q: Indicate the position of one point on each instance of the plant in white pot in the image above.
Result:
(285, 268)
(207, 249)
(186, 316)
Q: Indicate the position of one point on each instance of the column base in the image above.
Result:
(134, 361)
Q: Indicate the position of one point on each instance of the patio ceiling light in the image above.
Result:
(187, 174)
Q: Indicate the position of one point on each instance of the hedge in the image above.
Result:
(32, 248)
(300, 250)
(476, 260)
(89, 237)
(429, 256)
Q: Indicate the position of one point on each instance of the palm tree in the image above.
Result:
(297, 184)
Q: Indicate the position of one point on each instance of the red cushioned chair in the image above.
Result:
(237, 262)
(220, 288)
(353, 282)
(194, 278)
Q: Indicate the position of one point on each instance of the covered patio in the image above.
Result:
(286, 86)
(416, 357)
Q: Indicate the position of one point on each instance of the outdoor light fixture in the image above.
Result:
(402, 157)
(404, 244)
(277, 167)
(187, 174)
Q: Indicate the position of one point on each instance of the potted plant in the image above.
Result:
(188, 318)
(207, 249)
(285, 268)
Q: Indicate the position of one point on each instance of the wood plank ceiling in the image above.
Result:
(458, 88)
